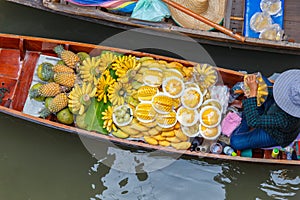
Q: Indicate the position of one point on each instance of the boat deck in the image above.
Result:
(234, 19)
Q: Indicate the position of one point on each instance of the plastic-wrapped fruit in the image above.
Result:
(146, 93)
(205, 75)
(262, 89)
(172, 73)
(213, 102)
(144, 112)
(271, 6)
(173, 86)
(260, 21)
(273, 32)
(191, 131)
(122, 115)
(162, 103)
(167, 120)
(210, 133)
(153, 77)
(186, 116)
(210, 116)
(192, 98)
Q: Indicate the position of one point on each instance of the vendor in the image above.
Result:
(277, 121)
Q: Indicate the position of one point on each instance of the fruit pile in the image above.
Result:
(129, 97)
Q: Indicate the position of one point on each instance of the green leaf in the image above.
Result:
(113, 74)
(93, 117)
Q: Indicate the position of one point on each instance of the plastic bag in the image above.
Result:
(272, 7)
(150, 10)
(262, 90)
(221, 93)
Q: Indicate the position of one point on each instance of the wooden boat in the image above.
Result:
(233, 22)
(18, 58)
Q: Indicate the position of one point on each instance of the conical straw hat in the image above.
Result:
(214, 10)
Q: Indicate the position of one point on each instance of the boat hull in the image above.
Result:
(23, 51)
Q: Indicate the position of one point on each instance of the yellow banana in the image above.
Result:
(180, 135)
(181, 145)
(120, 134)
(150, 140)
(164, 143)
(173, 139)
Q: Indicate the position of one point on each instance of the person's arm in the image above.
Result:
(255, 120)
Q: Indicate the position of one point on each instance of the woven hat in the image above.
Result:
(214, 10)
(286, 91)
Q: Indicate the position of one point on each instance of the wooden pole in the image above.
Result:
(205, 20)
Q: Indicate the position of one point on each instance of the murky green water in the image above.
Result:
(40, 163)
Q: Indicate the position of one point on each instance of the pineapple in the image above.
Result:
(70, 58)
(65, 79)
(46, 90)
(62, 68)
(58, 103)
(44, 71)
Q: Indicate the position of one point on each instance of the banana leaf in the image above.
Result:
(93, 117)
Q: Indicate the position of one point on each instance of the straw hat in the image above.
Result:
(214, 10)
(286, 91)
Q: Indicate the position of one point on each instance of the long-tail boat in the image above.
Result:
(20, 56)
(233, 24)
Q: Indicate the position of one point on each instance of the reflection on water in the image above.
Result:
(282, 184)
(40, 163)
(180, 180)
(189, 178)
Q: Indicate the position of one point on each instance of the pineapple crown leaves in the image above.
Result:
(34, 93)
(58, 50)
(45, 112)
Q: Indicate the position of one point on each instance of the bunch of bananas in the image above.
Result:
(262, 89)
(90, 70)
(205, 75)
(80, 97)
(118, 92)
(106, 59)
(124, 63)
(108, 123)
(103, 83)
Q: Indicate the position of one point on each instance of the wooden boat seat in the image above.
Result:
(10, 66)
(17, 68)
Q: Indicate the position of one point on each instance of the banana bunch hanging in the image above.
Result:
(80, 97)
(262, 89)
(205, 75)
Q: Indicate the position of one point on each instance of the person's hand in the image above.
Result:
(252, 84)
